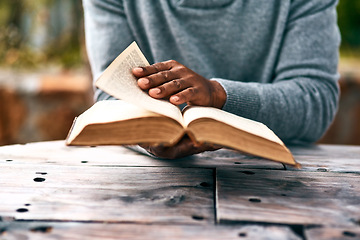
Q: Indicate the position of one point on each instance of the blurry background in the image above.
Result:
(45, 78)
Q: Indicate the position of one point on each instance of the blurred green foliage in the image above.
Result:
(30, 36)
(349, 24)
(18, 34)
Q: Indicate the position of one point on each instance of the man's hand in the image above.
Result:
(173, 81)
(179, 84)
(182, 149)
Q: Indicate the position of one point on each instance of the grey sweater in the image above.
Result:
(276, 59)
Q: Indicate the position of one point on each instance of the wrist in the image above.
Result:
(218, 94)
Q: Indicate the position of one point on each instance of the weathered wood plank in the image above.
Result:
(312, 157)
(326, 233)
(325, 158)
(89, 231)
(325, 151)
(145, 195)
(55, 152)
(288, 197)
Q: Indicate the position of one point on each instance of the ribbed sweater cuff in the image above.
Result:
(243, 99)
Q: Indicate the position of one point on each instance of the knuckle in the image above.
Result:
(181, 67)
(162, 89)
(157, 67)
(172, 62)
(151, 80)
(193, 91)
(165, 74)
(177, 83)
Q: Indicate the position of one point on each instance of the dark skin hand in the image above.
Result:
(175, 82)
(184, 148)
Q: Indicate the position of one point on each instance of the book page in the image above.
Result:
(108, 111)
(256, 128)
(118, 81)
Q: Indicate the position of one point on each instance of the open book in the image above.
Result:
(140, 119)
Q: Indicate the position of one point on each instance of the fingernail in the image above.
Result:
(144, 81)
(139, 69)
(156, 91)
(175, 98)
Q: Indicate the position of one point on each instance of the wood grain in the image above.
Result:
(56, 153)
(50, 191)
(321, 158)
(141, 195)
(287, 197)
(326, 233)
(88, 231)
(326, 151)
(327, 158)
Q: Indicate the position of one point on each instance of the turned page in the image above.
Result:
(256, 128)
(118, 81)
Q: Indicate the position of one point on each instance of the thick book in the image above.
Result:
(140, 119)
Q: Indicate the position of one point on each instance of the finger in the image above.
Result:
(184, 148)
(208, 147)
(138, 71)
(188, 95)
(158, 151)
(169, 88)
(187, 147)
(162, 152)
(154, 68)
(156, 79)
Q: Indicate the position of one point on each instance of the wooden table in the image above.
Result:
(50, 191)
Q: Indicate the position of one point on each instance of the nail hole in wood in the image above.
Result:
(175, 200)
(22, 210)
(237, 163)
(322, 169)
(356, 221)
(197, 218)
(283, 194)
(349, 234)
(255, 200)
(27, 204)
(242, 234)
(39, 179)
(205, 184)
(247, 172)
(41, 173)
(84, 161)
(9, 160)
(43, 229)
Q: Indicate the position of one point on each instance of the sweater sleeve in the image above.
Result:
(301, 101)
(107, 35)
